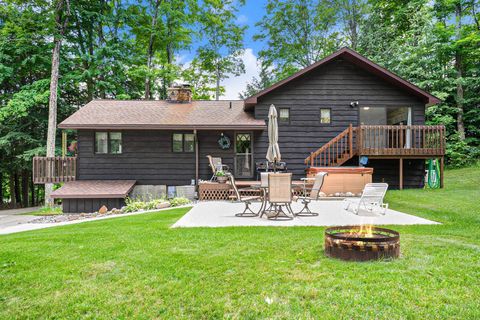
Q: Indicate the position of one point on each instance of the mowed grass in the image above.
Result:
(136, 267)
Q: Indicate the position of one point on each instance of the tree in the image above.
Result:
(62, 12)
(223, 48)
(298, 33)
(265, 79)
(351, 14)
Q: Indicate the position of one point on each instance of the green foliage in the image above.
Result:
(133, 205)
(179, 201)
(220, 173)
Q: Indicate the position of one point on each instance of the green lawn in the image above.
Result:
(136, 267)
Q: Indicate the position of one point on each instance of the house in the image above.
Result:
(340, 111)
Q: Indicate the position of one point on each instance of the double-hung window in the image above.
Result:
(108, 142)
(183, 142)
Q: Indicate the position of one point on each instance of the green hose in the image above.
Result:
(433, 177)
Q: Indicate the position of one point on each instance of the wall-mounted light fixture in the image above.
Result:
(366, 108)
(353, 104)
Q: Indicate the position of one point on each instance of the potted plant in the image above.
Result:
(221, 176)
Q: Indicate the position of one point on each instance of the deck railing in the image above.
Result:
(335, 152)
(382, 141)
(54, 169)
(415, 140)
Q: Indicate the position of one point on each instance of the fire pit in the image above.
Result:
(361, 243)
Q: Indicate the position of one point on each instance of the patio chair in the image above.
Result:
(311, 194)
(371, 199)
(216, 165)
(280, 194)
(247, 200)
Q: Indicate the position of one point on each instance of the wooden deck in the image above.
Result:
(382, 141)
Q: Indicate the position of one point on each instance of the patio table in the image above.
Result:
(263, 208)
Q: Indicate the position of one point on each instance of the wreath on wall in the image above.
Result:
(224, 142)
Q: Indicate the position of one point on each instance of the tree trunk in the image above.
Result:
(11, 184)
(150, 51)
(1, 189)
(32, 191)
(25, 183)
(61, 22)
(217, 91)
(16, 189)
(459, 69)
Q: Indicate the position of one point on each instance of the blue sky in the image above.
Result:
(248, 15)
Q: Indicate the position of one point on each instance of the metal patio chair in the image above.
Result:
(216, 165)
(311, 194)
(280, 195)
(247, 200)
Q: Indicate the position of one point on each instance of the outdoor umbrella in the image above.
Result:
(273, 153)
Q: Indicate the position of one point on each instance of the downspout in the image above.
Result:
(196, 156)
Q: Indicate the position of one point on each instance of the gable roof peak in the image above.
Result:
(360, 61)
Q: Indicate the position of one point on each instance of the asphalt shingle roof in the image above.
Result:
(160, 114)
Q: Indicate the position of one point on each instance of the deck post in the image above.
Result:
(64, 143)
(196, 156)
(401, 174)
(350, 139)
(442, 167)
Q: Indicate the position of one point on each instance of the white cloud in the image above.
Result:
(234, 85)
(242, 19)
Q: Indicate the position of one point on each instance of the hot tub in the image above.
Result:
(343, 179)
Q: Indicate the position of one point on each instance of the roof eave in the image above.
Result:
(162, 127)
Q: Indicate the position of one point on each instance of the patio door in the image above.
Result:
(243, 155)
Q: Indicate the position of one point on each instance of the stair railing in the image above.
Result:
(335, 152)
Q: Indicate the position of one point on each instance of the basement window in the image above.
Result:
(108, 142)
(183, 142)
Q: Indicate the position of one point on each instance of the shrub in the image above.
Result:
(460, 153)
(180, 201)
(132, 205)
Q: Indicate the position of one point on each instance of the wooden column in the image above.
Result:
(442, 167)
(64, 143)
(401, 174)
(196, 156)
(350, 139)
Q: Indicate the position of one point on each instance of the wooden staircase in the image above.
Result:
(381, 141)
(335, 152)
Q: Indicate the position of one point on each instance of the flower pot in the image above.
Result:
(222, 179)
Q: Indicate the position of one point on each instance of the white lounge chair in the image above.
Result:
(371, 199)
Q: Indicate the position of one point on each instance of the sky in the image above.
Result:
(248, 15)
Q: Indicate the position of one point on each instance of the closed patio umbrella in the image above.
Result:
(273, 153)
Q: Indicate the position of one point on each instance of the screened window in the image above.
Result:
(101, 142)
(108, 142)
(284, 115)
(183, 142)
(325, 116)
(115, 142)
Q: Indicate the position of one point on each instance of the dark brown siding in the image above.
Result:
(333, 86)
(148, 158)
(90, 205)
(387, 170)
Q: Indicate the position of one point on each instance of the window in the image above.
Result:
(183, 142)
(325, 116)
(115, 142)
(284, 115)
(108, 142)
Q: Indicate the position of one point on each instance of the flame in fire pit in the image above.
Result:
(365, 231)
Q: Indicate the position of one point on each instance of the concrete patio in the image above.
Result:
(331, 213)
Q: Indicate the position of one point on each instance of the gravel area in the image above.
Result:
(71, 217)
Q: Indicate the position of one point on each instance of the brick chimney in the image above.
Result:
(179, 93)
